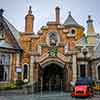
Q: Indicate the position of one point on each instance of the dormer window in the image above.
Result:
(53, 38)
(73, 31)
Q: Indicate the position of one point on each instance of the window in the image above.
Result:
(73, 31)
(4, 67)
(3, 59)
(1, 72)
(98, 72)
(25, 72)
(7, 59)
(53, 38)
(66, 48)
(82, 70)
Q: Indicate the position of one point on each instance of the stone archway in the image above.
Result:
(52, 76)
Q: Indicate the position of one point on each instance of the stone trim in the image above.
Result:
(97, 70)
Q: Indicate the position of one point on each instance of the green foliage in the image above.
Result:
(53, 52)
(7, 86)
(19, 82)
(12, 85)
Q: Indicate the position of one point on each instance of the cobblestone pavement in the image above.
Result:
(52, 96)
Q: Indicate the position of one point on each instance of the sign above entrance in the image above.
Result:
(53, 52)
(18, 69)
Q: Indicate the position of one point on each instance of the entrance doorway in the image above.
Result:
(98, 72)
(83, 70)
(53, 78)
(1, 72)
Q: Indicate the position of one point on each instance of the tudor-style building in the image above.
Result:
(55, 55)
(10, 50)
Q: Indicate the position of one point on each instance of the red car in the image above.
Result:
(82, 89)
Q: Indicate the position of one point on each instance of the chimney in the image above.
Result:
(57, 10)
(29, 20)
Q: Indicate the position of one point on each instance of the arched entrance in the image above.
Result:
(99, 72)
(53, 77)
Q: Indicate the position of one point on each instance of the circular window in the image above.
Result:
(73, 31)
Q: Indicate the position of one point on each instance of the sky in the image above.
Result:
(44, 11)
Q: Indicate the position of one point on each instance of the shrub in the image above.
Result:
(19, 82)
(7, 86)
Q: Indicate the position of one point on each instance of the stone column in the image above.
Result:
(17, 60)
(94, 73)
(36, 72)
(13, 67)
(31, 68)
(39, 49)
(10, 67)
(18, 65)
(74, 67)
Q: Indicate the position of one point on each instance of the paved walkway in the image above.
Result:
(50, 96)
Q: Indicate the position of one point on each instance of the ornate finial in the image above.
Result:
(30, 10)
(89, 17)
(69, 12)
(1, 12)
(57, 7)
(90, 27)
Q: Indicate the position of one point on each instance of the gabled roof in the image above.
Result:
(4, 44)
(11, 30)
(70, 21)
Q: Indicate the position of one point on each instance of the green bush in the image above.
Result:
(7, 86)
(19, 82)
(12, 85)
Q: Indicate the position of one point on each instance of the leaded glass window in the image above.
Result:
(4, 67)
